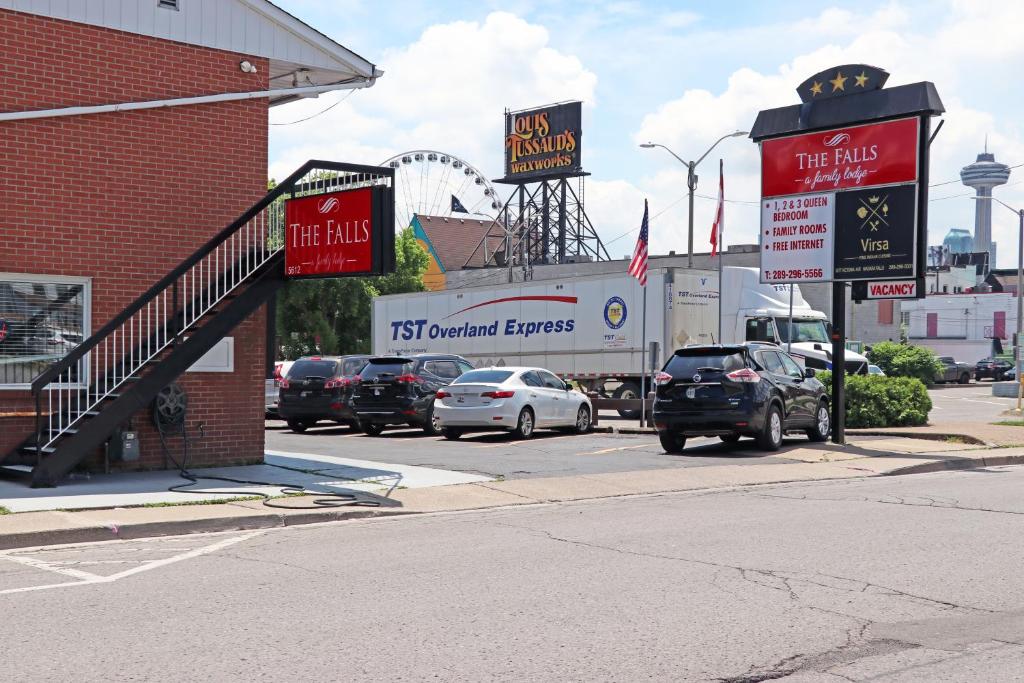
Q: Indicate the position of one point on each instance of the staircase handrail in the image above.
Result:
(59, 367)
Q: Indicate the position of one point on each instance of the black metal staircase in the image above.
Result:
(83, 398)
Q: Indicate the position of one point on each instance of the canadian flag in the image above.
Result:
(718, 227)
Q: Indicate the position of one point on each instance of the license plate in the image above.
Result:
(691, 392)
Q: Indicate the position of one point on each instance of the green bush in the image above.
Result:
(876, 401)
(904, 360)
(918, 362)
(883, 353)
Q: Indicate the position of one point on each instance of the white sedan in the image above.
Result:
(516, 399)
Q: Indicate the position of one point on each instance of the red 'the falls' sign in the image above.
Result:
(329, 234)
(856, 156)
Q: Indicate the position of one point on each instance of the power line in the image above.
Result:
(322, 111)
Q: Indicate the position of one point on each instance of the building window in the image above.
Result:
(905, 319)
(42, 318)
(167, 4)
(885, 312)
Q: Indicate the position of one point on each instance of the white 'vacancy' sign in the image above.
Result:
(796, 238)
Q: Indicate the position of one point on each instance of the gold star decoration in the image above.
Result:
(862, 79)
(839, 82)
(816, 88)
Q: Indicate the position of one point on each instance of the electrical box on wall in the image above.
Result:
(124, 446)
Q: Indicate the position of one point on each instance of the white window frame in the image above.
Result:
(86, 283)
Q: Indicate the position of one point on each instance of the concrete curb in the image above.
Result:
(112, 532)
(957, 464)
(924, 436)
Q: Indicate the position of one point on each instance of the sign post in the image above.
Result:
(844, 185)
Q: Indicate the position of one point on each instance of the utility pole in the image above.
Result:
(1020, 306)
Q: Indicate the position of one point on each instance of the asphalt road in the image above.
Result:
(547, 454)
(968, 403)
(886, 579)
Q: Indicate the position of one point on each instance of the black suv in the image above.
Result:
(748, 389)
(995, 368)
(319, 388)
(400, 390)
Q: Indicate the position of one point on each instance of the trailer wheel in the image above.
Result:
(628, 391)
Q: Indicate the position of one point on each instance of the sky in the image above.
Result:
(681, 74)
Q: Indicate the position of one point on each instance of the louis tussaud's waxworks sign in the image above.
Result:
(543, 142)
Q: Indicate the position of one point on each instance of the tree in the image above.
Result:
(337, 310)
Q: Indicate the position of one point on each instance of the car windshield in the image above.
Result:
(304, 369)
(695, 361)
(386, 368)
(804, 330)
(485, 376)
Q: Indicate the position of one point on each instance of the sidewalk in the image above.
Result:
(862, 458)
(992, 435)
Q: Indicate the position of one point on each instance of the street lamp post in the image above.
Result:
(1020, 301)
(691, 183)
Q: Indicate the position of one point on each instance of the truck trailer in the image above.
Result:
(589, 329)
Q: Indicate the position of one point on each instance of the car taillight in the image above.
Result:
(357, 379)
(442, 394)
(284, 382)
(336, 383)
(744, 375)
(498, 394)
(662, 378)
(409, 379)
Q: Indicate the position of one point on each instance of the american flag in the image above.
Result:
(638, 266)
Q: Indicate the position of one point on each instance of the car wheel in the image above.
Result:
(373, 429)
(431, 427)
(628, 391)
(297, 426)
(822, 424)
(525, 424)
(583, 420)
(730, 438)
(965, 378)
(451, 433)
(770, 438)
(672, 442)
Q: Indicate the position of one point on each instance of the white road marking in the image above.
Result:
(89, 579)
(46, 566)
(618, 448)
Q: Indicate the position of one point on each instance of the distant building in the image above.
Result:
(959, 241)
(983, 175)
(451, 243)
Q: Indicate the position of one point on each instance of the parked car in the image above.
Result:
(1010, 375)
(272, 387)
(751, 389)
(400, 390)
(952, 371)
(993, 368)
(510, 398)
(875, 370)
(319, 388)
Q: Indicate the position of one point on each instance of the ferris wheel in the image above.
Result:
(434, 183)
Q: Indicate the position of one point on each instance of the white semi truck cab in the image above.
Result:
(755, 311)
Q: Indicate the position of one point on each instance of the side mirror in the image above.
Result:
(809, 372)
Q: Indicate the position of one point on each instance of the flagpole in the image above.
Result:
(643, 361)
(721, 246)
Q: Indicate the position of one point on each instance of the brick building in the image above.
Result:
(131, 132)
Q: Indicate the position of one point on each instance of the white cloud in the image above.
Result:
(446, 91)
(969, 39)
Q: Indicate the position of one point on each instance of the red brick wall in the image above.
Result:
(124, 197)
